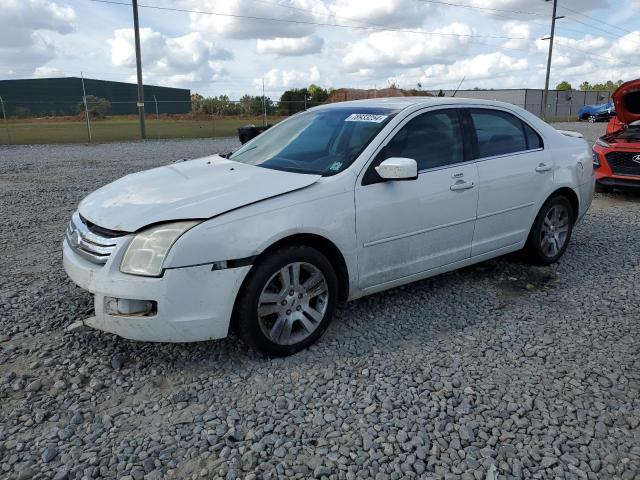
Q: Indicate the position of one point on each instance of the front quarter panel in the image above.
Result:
(325, 208)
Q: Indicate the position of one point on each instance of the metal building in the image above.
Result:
(61, 96)
(560, 103)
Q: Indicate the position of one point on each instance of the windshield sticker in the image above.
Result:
(335, 166)
(365, 117)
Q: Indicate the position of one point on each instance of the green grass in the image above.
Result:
(28, 132)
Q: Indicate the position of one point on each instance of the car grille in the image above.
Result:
(91, 242)
(623, 163)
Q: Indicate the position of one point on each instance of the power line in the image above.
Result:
(617, 27)
(607, 57)
(374, 27)
(306, 22)
(474, 7)
(520, 12)
(600, 29)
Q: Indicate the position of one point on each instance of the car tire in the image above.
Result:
(551, 232)
(592, 119)
(280, 315)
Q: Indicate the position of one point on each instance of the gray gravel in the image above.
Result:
(496, 371)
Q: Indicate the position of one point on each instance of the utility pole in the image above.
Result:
(136, 28)
(545, 94)
(264, 107)
(86, 108)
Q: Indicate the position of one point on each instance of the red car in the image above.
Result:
(616, 155)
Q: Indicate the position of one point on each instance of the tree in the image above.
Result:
(317, 94)
(440, 93)
(564, 86)
(97, 107)
(295, 100)
(608, 85)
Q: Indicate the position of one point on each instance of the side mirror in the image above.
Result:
(398, 168)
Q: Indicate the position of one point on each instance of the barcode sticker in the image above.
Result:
(365, 117)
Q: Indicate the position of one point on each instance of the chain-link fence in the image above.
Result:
(59, 121)
(96, 119)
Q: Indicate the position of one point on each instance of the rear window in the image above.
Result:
(499, 133)
(533, 139)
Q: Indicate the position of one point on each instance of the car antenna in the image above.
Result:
(458, 88)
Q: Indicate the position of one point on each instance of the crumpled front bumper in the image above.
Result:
(193, 303)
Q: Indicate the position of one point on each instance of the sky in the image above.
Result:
(231, 47)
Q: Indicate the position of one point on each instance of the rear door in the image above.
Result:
(515, 175)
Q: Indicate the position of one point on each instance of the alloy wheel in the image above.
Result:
(555, 230)
(293, 303)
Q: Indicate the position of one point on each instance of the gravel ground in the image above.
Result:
(499, 370)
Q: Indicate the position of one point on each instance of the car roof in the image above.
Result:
(406, 102)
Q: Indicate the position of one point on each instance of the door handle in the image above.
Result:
(543, 168)
(461, 186)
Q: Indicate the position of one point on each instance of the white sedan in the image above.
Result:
(332, 204)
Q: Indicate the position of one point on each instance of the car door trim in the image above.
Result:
(417, 232)
(506, 210)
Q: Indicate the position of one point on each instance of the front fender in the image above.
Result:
(249, 231)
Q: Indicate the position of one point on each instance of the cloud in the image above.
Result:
(391, 13)
(521, 33)
(230, 24)
(291, 46)
(276, 79)
(27, 32)
(178, 60)
(484, 66)
(47, 72)
(389, 49)
(626, 47)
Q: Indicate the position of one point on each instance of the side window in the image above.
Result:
(499, 133)
(433, 139)
(533, 139)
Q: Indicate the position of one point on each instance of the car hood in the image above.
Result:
(194, 189)
(626, 98)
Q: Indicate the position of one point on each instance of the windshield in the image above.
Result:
(324, 141)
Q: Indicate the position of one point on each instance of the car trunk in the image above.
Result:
(626, 99)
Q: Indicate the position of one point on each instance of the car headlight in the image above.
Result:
(148, 249)
(602, 143)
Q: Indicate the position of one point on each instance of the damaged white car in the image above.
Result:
(329, 205)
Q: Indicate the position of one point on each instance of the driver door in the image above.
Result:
(406, 228)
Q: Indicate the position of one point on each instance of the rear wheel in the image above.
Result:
(288, 301)
(551, 232)
(592, 119)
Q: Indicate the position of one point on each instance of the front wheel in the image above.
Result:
(551, 232)
(287, 301)
(592, 119)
